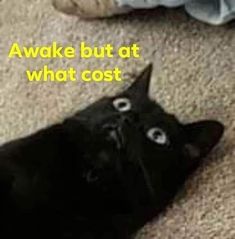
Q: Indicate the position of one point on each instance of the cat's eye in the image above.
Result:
(122, 104)
(158, 136)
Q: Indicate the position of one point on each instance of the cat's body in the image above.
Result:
(103, 173)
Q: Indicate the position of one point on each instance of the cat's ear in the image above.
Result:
(140, 87)
(201, 138)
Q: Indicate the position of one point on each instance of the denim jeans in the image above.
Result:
(211, 11)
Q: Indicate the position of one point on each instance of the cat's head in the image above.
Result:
(135, 148)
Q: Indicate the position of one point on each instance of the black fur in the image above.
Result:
(103, 173)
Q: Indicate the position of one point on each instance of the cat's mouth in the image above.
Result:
(116, 135)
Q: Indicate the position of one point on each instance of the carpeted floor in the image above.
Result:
(196, 80)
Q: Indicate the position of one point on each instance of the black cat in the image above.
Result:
(103, 173)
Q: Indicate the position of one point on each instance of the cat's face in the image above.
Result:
(135, 148)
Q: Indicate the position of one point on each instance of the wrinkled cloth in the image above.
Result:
(211, 11)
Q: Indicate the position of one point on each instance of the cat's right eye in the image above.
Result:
(158, 136)
(122, 104)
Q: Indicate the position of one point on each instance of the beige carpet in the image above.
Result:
(196, 80)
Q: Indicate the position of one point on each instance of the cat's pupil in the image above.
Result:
(157, 134)
(122, 104)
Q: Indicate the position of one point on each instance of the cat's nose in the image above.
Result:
(110, 126)
(116, 123)
(125, 119)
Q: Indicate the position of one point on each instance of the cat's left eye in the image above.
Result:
(158, 136)
(122, 104)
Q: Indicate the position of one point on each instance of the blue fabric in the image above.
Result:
(211, 11)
